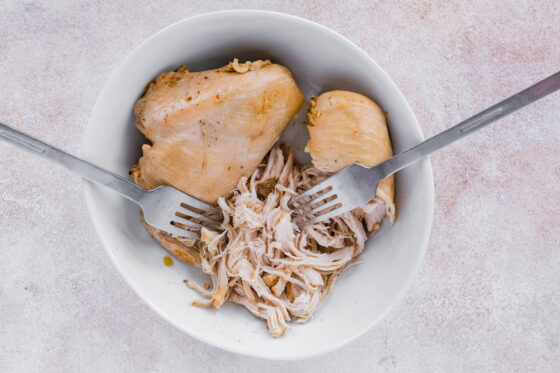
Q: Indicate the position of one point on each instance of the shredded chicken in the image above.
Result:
(263, 261)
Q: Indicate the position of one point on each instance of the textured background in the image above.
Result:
(488, 294)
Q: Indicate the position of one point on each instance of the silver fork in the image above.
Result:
(164, 208)
(355, 185)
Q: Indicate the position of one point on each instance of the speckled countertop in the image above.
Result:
(488, 295)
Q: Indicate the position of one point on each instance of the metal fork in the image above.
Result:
(355, 185)
(164, 208)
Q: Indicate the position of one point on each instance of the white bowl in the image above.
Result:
(320, 60)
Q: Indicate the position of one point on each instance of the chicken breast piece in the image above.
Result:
(347, 128)
(210, 128)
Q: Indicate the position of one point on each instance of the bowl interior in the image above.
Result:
(320, 60)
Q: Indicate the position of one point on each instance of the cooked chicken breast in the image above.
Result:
(347, 128)
(210, 128)
(210, 132)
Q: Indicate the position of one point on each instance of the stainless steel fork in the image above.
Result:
(355, 185)
(164, 208)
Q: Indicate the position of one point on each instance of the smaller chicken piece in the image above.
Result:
(347, 128)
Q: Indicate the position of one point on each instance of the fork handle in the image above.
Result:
(476, 122)
(82, 167)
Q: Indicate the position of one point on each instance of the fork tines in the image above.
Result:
(313, 205)
(188, 215)
(193, 219)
